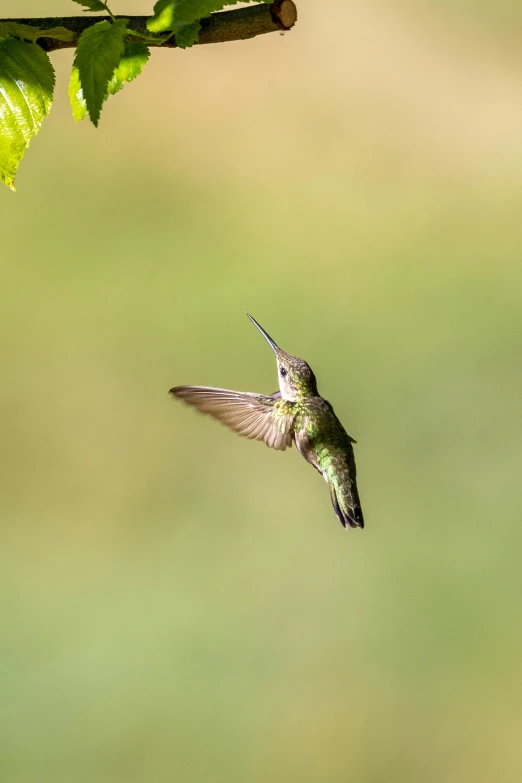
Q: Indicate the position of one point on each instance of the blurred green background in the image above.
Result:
(180, 604)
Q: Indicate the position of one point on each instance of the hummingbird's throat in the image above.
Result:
(288, 392)
(292, 385)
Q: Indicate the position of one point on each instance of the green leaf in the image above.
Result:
(30, 33)
(58, 33)
(188, 35)
(98, 53)
(133, 61)
(92, 5)
(26, 96)
(16, 30)
(78, 105)
(173, 14)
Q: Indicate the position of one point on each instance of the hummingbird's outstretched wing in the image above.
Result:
(253, 416)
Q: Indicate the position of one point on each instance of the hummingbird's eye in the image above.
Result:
(283, 371)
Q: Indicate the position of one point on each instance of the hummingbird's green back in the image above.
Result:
(323, 441)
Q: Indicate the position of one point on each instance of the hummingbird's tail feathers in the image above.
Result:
(347, 508)
(337, 508)
(356, 518)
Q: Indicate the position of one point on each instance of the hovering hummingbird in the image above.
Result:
(295, 413)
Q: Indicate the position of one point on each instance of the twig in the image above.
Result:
(235, 25)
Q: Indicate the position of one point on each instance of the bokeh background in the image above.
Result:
(182, 605)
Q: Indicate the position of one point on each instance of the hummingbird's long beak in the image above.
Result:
(265, 335)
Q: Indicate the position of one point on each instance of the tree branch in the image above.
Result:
(236, 25)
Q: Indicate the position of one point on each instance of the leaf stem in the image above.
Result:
(152, 40)
(109, 12)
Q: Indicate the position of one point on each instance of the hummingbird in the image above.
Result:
(294, 414)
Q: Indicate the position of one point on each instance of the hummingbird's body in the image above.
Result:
(297, 413)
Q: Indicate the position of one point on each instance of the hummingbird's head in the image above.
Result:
(296, 379)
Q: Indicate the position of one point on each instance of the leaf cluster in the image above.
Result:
(107, 56)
